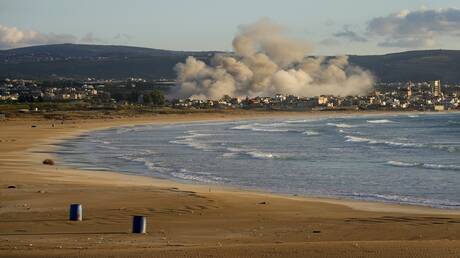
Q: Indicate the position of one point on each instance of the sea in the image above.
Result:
(402, 158)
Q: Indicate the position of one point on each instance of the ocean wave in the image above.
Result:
(380, 121)
(413, 116)
(123, 130)
(149, 164)
(191, 141)
(452, 122)
(143, 158)
(448, 148)
(301, 121)
(108, 147)
(424, 165)
(197, 176)
(100, 141)
(350, 138)
(341, 125)
(257, 154)
(258, 128)
(310, 133)
(395, 198)
(357, 139)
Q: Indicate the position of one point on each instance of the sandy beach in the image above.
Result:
(188, 220)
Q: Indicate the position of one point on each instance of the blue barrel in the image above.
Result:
(139, 224)
(76, 212)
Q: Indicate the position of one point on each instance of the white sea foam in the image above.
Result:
(192, 141)
(380, 121)
(259, 128)
(452, 122)
(351, 138)
(100, 141)
(108, 147)
(394, 198)
(123, 130)
(149, 164)
(257, 154)
(341, 125)
(202, 177)
(448, 148)
(142, 157)
(310, 133)
(424, 165)
(401, 164)
(262, 155)
(301, 121)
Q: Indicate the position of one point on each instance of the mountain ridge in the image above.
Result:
(79, 61)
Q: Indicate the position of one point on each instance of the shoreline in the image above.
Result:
(187, 220)
(363, 205)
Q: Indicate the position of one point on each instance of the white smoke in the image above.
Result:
(266, 63)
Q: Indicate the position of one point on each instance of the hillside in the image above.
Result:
(120, 62)
(422, 65)
(83, 61)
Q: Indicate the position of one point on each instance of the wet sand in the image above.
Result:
(189, 220)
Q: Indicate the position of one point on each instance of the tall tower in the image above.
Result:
(409, 90)
(436, 88)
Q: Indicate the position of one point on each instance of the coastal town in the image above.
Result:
(420, 96)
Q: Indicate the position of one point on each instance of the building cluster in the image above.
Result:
(422, 96)
(408, 96)
(28, 90)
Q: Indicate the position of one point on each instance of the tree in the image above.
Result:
(133, 96)
(147, 99)
(157, 98)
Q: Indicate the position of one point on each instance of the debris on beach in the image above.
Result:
(12, 187)
(48, 162)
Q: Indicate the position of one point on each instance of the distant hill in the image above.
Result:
(99, 61)
(120, 62)
(417, 66)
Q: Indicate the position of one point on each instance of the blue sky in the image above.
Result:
(332, 26)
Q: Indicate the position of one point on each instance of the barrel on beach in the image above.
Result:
(139, 224)
(76, 212)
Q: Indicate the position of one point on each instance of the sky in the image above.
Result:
(331, 26)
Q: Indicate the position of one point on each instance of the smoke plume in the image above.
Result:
(265, 63)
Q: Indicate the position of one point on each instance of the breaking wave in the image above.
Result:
(380, 121)
(424, 165)
(191, 141)
(201, 177)
(257, 154)
(452, 122)
(341, 125)
(310, 133)
(142, 157)
(448, 148)
(256, 127)
(350, 138)
(394, 198)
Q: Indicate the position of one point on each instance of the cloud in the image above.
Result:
(350, 35)
(123, 38)
(266, 62)
(415, 29)
(13, 37)
(90, 38)
(329, 42)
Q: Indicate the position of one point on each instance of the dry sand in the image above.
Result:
(188, 220)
